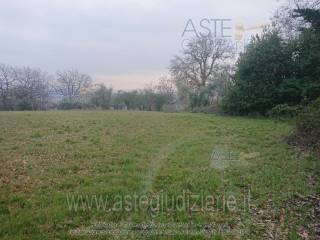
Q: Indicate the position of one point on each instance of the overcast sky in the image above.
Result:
(123, 43)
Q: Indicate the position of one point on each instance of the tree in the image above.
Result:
(101, 96)
(220, 81)
(198, 61)
(71, 84)
(126, 100)
(32, 89)
(165, 93)
(195, 71)
(260, 71)
(311, 16)
(307, 55)
(7, 81)
(273, 71)
(166, 87)
(288, 21)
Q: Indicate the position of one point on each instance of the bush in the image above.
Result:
(308, 126)
(24, 106)
(171, 108)
(284, 110)
(67, 105)
(207, 109)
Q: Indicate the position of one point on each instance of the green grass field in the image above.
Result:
(51, 161)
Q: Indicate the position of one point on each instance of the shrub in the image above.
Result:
(308, 126)
(24, 106)
(67, 105)
(207, 109)
(171, 108)
(284, 110)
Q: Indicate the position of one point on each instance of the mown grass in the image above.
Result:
(47, 157)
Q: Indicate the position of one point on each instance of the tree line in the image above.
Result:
(25, 88)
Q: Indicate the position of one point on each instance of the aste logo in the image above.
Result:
(238, 34)
(214, 27)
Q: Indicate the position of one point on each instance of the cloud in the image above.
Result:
(114, 37)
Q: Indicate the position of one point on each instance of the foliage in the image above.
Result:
(307, 67)
(23, 105)
(287, 19)
(260, 72)
(67, 105)
(277, 71)
(200, 97)
(308, 126)
(310, 15)
(101, 97)
(284, 110)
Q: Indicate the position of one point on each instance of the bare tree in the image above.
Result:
(166, 87)
(198, 61)
(7, 81)
(32, 88)
(71, 84)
